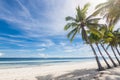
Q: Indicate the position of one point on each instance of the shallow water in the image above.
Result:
(26, 62)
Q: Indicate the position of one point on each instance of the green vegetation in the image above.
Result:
(93, 32)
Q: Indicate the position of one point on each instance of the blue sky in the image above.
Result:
(35, 28)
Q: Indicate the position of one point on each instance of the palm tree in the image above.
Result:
(117, 39)
(115, 54)
(111, 40)
(108, 55)
(109, 10)
(103, 31)
(94, 38)
(79, 24)
(114, 42)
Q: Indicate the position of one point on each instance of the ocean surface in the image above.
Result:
(28, 62)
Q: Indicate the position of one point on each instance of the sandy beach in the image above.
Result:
(50, 71)
(60, 40)
(64, 71)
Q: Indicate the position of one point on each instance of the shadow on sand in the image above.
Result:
(109, 75)
(84, 74)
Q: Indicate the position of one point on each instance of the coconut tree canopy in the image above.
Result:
(109, 10)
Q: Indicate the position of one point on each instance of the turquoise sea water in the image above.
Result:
(26, 62)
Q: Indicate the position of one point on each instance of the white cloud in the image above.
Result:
(43, 55)
(70, 50)
(55, 13)
(46, 43)
(67, 9)
(76, 48)
(41, 49)
(37, 27)
(1, 54)
(62, 44)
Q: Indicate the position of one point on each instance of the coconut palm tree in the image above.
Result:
(111, 40)
(109, 10)
(96, 39)
(117, 37)
(103, 31)
(115, 65)
(80, 24)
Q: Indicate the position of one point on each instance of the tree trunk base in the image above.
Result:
(101, 69)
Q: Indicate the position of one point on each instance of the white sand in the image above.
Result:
(55, 70)
(109, 74)
(76, 70)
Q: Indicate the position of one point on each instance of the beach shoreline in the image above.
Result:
(33, 73)
(65, 71)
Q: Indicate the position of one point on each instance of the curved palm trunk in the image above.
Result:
(98, 62)
(115, 55)
(117, 50)
(109, 56)
(96, 57)
(103, 56)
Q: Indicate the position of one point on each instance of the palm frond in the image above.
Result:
(75, 32)
(96, 32)
(70, 25)
(69, 18)
(93, 20)
(86, 6)
(93, 14)
(79, 14)
(67, 26)
(71, 32)
(110, 28)
(100, 5)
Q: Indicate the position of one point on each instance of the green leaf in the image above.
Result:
(75, 32)
(96, 32)
(111, 28)
(67, 26)
(86, 6)
(94, 20)
(101, 5)
(70, 18)
(71, 32)
(70, 25)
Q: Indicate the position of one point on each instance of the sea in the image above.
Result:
(28, 62)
